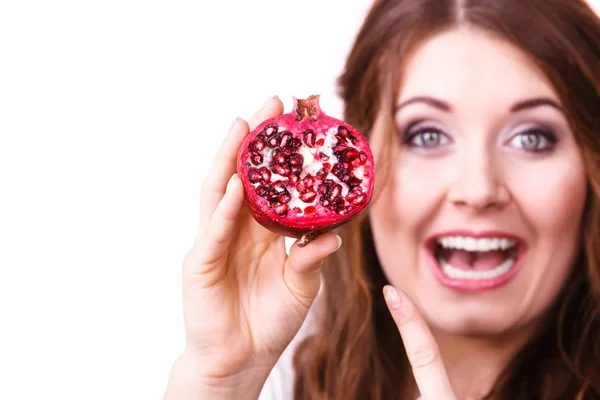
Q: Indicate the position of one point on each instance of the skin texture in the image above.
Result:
(476, 175)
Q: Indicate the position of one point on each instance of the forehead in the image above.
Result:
(467, 65)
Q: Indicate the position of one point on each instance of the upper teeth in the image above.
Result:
(474, 244)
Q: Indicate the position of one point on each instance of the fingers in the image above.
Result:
(223, 166)
(421, 348)
(302, 268)
(225, 162)
(270, 109)
(213, 243)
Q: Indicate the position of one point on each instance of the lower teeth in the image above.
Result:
(457, 273)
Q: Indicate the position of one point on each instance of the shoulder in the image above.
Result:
(280, 383)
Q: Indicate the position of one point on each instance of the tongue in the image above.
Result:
(478, 261)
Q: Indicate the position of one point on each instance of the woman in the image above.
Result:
(483, 237)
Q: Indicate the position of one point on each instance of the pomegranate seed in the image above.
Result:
(295, 144)
(271, 128)
(262, 191)
(324, 202)
(343, 131)
(308, 180)
(256, 158)
(284, 198)
(339, 148)
(285, 138)
(293, 178)
(322, 173)
(323, 156)
(301, 187)
(354, 182)
(309, 138)
(309, 210)
(320, 142)
(352, 138)
(271, 193)
(254, 175)
(259, 143)
(279, 170)
(336, 191)
(362, 157)
(273, 140)
(296, 160)
(359, 199)
(281, 209)
(353, 194)
(350, 154)
(324, 189)
(279, 157)
(266, 174)
(308, 197)
(298, 210)
(326, 165)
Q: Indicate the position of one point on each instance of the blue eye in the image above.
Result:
(426, 138)
(534, 141)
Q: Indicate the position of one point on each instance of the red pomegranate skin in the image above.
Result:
(328, 185)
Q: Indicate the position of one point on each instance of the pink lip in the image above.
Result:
(474, 284)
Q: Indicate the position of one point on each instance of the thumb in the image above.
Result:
(302, 270)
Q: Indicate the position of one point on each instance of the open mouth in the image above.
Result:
(488, 260)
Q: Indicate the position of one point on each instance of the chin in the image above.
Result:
(471, 319)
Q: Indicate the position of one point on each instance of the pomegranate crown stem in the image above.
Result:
(307, 108)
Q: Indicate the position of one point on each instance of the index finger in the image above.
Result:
(421, 348)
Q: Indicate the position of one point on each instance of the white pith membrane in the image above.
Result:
(461, 257)
(314, 159)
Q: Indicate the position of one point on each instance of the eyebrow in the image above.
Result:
(520, 106)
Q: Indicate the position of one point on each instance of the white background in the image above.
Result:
(110, 113)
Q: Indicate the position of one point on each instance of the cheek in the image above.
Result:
(406, 204)
(551, 193)
(551, 204)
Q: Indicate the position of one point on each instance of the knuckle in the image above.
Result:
(423, 356)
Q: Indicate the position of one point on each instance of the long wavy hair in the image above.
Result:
(356, 352)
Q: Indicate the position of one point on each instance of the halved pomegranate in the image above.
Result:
(305, 173)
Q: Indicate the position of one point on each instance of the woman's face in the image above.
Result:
(479, 220)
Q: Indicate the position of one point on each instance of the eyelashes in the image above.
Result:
(533, 140)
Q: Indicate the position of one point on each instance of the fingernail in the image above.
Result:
(392, 297)
(235, 120)
(339, 242)
(269, 100)
(230, 183)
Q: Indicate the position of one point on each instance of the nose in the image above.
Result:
(479, 184)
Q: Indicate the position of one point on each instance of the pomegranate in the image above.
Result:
(305, 173)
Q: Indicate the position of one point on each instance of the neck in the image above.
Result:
(474, 363)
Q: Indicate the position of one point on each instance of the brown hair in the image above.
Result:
(357, 352)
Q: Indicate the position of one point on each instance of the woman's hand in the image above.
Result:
(422, 350)
(244, 299)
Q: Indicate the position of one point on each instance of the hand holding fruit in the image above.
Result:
(244, 299)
